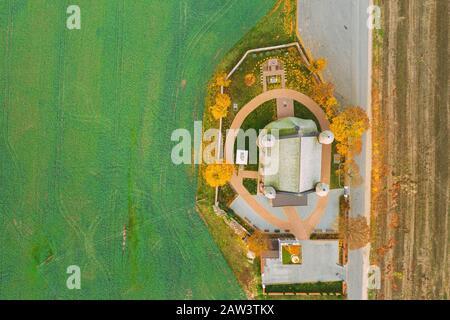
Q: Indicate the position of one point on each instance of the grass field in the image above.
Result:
(85, 122)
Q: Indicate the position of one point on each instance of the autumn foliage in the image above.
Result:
(350, 125)
(218, 174)
(348, 128)
(300, 78)
(318, 65)
(323, 94)
(250, 79)
(222, 81)
(222, 104)
(258, 243)
(357, 232)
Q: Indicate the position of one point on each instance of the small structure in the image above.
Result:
(322, 189)
(316, 261)
(326, 137)
(272, 72)
(266, 140)
(270, 192)
(242, 157)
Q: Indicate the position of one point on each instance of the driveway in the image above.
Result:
(337, 31)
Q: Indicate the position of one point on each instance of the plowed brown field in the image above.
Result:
(411, 206)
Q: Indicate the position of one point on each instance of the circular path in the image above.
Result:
(302, 229)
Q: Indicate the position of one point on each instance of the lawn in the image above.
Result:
(85, 147)
(251, 185)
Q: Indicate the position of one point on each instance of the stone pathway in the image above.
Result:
(285, 108)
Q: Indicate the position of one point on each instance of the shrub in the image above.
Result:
(217, 175)
(250, 80)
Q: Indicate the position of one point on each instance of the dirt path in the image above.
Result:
(412, 212)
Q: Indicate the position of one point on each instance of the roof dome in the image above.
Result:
(322, 189)
(295, 259)
(326, 137)
(266, 140)
(270, 192)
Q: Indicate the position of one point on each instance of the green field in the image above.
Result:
(85, 147)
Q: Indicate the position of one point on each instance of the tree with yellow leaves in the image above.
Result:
(323, 94)
(351, 173)
(331, 105)
(348, 128)
(220, 109)
(349, 150)
(222, 81)
(223, 99)
(318, 65)
(250, 79)
(350, 125)
(218, 174)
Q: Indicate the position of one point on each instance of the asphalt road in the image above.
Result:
(337, 31)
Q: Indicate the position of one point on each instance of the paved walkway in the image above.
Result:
(328, 222)
(300, 228)
(285, 108)
(249, 174)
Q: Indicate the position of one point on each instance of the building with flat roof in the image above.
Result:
(303, 261)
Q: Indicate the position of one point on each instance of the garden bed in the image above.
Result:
(287, 251)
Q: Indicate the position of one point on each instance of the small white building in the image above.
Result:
(242, 157)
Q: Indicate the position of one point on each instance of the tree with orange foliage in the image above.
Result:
(323, 94)
(357, 232)
(222, 81)
(350, 125)
(220, 109)
(318, 65)
(350, 170)
(258, 242)
(250, 79)
(349, 150)
(348, 128)
(218, 174)
(223, 99)
(331, 105)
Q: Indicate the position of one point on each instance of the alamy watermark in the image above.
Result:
(207, 147)
(374, 275)
(74, 20)
(374, 20)
(74, 280)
